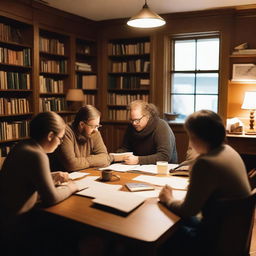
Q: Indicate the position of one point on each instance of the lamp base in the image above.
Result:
(250, 132)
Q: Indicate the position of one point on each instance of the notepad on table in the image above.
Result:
(132, 186)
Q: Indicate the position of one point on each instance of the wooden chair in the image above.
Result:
(252, 178)
(230, 227)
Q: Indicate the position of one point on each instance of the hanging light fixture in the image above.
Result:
(146, 19)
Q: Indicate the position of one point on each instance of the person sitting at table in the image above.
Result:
(212, 177)
(147, 136)
(26, 177)
(82, 146)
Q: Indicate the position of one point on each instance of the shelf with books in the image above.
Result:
(128, 74)
(54, 74)
(16, 109)
(86, 69)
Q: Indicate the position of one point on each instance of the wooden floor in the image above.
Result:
(253, 242)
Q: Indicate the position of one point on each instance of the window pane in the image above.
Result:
(209, 102)
(207, 83)
(184, 55)
(182, 104)
(183, 83)
(208, 54)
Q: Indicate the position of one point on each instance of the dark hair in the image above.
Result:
(207, 126)
(86, 113)
(43, 123)
(146, 108)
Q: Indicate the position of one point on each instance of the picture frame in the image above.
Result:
(244, 72)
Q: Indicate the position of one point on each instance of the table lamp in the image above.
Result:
(75, 97)
(250, 103)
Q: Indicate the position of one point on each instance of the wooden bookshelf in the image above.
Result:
(128, 74)
(86, 69)
(16, 46)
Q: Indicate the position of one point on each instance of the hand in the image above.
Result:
(131, 159)
(165, 195)
(118, 158)
(60, 177)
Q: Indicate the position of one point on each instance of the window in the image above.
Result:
(195, 75)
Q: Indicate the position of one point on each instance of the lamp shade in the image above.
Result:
(75, 95)
(146, 19)
(249, 100)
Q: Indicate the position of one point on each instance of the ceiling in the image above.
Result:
(112, 9)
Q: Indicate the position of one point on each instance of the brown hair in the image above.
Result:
(147, 108)
(43, 123)
(86, 113)
(207, 126)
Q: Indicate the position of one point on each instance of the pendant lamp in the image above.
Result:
(146, 19)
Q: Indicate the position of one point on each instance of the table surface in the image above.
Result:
(148, 223)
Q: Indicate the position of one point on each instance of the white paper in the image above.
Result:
(174, 182)
(120, 200)
(77, 175)
(97, 189)
(147, 168)
(121, 154)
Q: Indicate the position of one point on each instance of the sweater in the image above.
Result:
(73, 155)
(24, 177)
(156, 142)
(220, 174)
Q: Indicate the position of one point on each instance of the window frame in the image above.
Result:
(196, 37)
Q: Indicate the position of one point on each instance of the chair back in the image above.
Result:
(229, 226)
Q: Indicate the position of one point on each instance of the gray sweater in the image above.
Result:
(156, 142)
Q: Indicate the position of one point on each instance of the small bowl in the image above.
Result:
(170, 116)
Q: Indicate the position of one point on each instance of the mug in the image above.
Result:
(107, 175)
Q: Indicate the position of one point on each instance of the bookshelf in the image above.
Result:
(128, 74)
(54, 72)
(86, 69)
(16, 90)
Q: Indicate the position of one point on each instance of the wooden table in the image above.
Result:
(149, 225)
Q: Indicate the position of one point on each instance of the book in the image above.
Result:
(132, 186)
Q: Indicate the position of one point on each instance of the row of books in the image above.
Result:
(4, 151)
(83, 49)
(125, 99)
(128, 49)
(14, 80)
(53, 66)
(14, 130)
(89, 99)
(51, 45)
(10, 34)
(128, 82)
(50, 85)
(15, 57)
(131, 66)
(118, 114)
(82, 66)
(9, 106)
(52, 104)
(86, 81)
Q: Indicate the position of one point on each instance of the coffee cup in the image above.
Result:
(162, 167)
(108, 175)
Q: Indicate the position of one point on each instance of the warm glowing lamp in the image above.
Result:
(250, 104)
(146, 18)
(76, 98)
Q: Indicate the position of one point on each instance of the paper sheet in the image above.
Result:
(174, 182)
(120, 200)
(77, 175)
(97, 189)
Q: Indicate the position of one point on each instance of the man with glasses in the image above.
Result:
(82, 146)
(147, 136)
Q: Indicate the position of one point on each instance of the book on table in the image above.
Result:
(133, 186)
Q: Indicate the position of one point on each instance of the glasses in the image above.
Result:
(136, 121)
(60, 139)
(94, 127)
